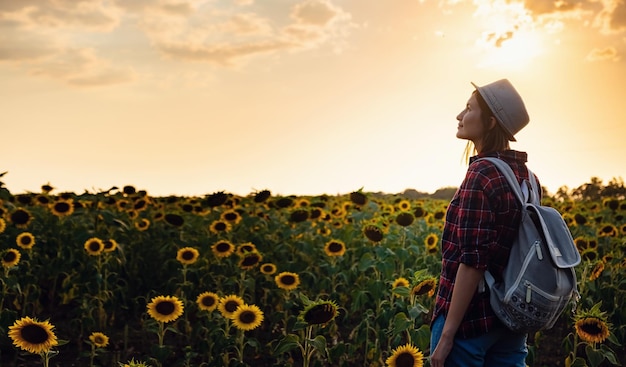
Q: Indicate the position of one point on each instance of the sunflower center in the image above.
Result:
(250, 260)
(335, 247)
(34, 334)
(220, 226)
(20, 217)
(405, 360)
(231, 306)
(208, 301)
(319, 314)
(62, 207)
(9, 256)
(94, 246)
(25, 240)
(591, 328)
(247, 317)
(288, 279)
(165, 308)
(222, 247)
(230, 216)
(188, 255)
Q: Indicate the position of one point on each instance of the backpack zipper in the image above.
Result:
(538, 249)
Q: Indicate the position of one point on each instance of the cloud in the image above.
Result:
(603, 54)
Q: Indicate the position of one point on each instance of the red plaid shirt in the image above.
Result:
(481, 223)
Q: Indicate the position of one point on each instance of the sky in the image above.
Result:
(300, 97)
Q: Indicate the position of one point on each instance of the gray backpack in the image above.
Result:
(539, 280)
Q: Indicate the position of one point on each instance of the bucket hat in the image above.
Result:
(506, 105)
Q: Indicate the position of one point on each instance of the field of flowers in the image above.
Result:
(123, 278)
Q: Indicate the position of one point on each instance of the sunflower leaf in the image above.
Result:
(319, 343)
(289, 342)
(594, 356)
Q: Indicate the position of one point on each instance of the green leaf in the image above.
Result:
(287, 343)
(401, 291)
(319, 343)
(594, 356)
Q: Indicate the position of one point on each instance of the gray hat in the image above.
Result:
(506, 104)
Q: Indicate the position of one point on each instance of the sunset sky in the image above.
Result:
(307, 97)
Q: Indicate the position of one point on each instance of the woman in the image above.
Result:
(481, 223)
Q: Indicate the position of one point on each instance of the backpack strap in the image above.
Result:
(524, 195)
(523, 192)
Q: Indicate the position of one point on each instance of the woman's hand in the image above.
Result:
(439, 355)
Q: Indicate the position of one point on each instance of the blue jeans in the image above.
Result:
(498, 348)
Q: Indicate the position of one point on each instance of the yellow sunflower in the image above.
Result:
(207, 301)
(591, 325)
(165, 308)
(400, 282)
(220, 226)
(20, 217)
(406, 356)
(426, 286)
(596, 271)
(246, 247)
(25, 240)
(223, 248)
(268, 268)
(404, 205)
(33, 336)
(247, 317)
(110, 245)
(287, 280)
(99, 340)
(229, 304)
(405, 218)
(335, 248)
(249, 260)
(62, 208)
(3, 225)
(373, 232)
(142, 224)
(94, 246)
(187, 255)
(10, 258)
(231, 216)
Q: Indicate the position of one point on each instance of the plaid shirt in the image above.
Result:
(481, 223)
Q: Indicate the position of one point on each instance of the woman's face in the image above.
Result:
(470, 125)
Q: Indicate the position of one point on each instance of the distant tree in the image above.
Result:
(588, 191)
(614, 189)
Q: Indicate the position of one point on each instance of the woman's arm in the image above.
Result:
(465, 285)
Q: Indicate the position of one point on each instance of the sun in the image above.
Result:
(509, 37)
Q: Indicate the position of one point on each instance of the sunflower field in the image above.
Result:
(122, 278)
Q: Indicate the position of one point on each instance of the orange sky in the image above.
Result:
(190, 97)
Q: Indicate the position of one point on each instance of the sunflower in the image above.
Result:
(229, 304)
(207, 301)
(431, 240)
(99, 340)
(335, 248)
(426, 286)
(607, 230)
(245, 247)
(165, 308)
(33, 336)
(21, 218)
(400, 282)
(596, 271)
(249, 260)
(268, 268)
(373, 232)
(25, 240)
(319, 312)
(223, 248)
(220, 226)
(3, 225)
(187, 255)
(10, 258)
(405, 218)
(110, 245)
(591, 325)
(94, 246)
(247, 317)
(404, 205)
(299, 215)
(231, 216)
(62, 208)
(142, 224)
(406, 356)
(262, 195)
(174, 219)
(287, 280)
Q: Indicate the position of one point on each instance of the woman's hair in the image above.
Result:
(495, 139)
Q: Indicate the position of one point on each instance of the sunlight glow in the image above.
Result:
(509, 39)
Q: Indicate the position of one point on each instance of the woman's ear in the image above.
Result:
(492, 122)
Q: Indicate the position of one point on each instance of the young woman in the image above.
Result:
(481, 223)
